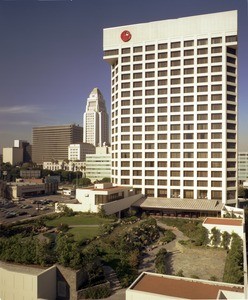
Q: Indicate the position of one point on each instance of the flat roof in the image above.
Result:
(180, 287)
(112, 188)
(31, 270)
(224, 221)
(181, 204)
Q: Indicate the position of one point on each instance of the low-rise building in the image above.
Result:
(17, 190)
(19, 282)
(66, 166)
(111, 198)
(149, 286)
(228, 225)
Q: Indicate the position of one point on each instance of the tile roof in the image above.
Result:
(185, 288)
(224, 221)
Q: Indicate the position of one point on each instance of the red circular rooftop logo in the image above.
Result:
(126, 36)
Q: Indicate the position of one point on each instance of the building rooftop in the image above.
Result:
(179, 287)
(176, 203)
(31, 270)
(224, 221)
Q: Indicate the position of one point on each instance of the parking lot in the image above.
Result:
(32, 207)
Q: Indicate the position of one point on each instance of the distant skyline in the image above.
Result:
(51, 56)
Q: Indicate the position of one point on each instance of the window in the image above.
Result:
(231, 38)
(202, 126)
(202, 155)
(202, 98)
(188, 71)
(188, 98)
(188, 145)
(188, 164)
(150, 65)
(175, 164)
(188, 62)
(189, 80)
(188, 136)
(216, 50)
(175, 45)
(175, 63)
(175, 145)
(202, 145)
(202, 69)
(201, 42)
(162, 46)
(216, 40)
(162, 55)
(175, 127)
(188, 52)
(175, 53)
(202, 51)
(188, 117)
(188, 43)
(202, 173)
(137, 49)
(188, 126)
(202, 79)
(202, 60)
(150, 47)
(216, 59)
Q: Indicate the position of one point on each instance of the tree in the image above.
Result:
(215, 237)
(233, 272)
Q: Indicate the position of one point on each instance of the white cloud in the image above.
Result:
(21, 109)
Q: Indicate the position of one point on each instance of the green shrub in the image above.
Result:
(97, 292)
(168, 237)
(233, 272)
(180, 273)
(160, 261)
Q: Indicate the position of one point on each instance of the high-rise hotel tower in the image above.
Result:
(96, 126)
(174, 106)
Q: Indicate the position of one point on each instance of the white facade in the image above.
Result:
(96, 120)
(111, 198)
(12, 155)
(224, 225)
(67, 166)
(242, 166)
(174, 106)
(78, 151)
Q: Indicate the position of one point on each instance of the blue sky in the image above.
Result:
(51, 56)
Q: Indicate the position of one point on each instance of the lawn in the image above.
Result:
(80, 219)
(82, 233)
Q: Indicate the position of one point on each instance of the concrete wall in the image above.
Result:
(137, 295)
(17, 286)
(45, 290)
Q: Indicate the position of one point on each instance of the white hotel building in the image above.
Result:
(174, 106)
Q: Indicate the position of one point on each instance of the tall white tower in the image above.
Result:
(174, 106)
(96, 120)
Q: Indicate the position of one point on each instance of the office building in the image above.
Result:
(13, 155)
(174, 106)
(242, 166)
(77, 152)
(27, 149)
(50, 143)
(98, 166)
(96, 126)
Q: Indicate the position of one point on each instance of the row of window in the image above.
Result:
(175, 118)
(176, 155)
(177, 99)
(173, 45)
(177, 54)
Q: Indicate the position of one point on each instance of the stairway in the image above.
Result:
(112, 278)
